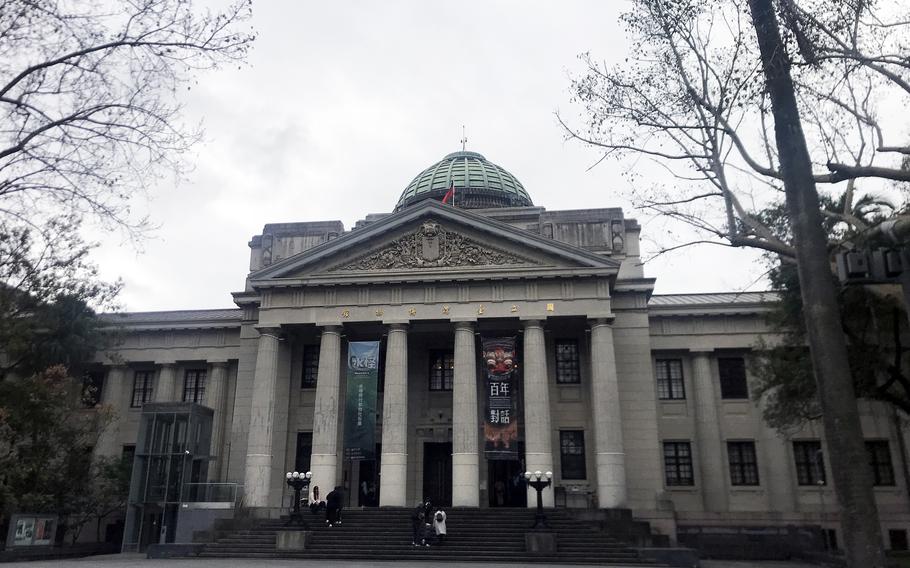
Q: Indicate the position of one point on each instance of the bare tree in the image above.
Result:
(88, 113)
(691, 99)
(743, 117)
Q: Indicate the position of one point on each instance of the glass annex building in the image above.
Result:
(631, 399)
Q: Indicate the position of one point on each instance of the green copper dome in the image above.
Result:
(478, 183)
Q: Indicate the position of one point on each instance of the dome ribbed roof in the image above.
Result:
(478, 184)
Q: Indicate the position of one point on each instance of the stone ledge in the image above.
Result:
(292, 540)
(679, 557)
(174, 550)
(540, 542)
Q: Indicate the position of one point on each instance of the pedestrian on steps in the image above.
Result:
(333, 503)
(418, 522)
(439, 525)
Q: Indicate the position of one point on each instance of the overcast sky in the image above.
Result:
(343, 103)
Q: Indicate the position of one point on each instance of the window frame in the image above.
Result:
(809, 458)
(94, 379)
(146, 390)
(310, 364)
(444, 375)
(739, 467)
(675, 387)
(568, 369)
(876, 466)
(678, 464)
(200, 380)
(577, 460)
(730, 390)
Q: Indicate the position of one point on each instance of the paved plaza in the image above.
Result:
(139, 561)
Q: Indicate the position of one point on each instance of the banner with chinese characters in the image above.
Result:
(360, 404)
(502, 382)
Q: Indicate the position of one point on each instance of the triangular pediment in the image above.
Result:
(431, 240)
(432, 245)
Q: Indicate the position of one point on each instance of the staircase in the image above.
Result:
(480, 535)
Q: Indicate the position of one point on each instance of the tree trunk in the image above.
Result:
(843, 432)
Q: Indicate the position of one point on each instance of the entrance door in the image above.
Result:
(437, 473)
(151, 526)
(506, 482)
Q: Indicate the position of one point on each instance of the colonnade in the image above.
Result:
(466, 450)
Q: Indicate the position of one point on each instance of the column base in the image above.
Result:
(393, 485)
(611, 480)
(256, 482)
(465, 480)
(325, 473)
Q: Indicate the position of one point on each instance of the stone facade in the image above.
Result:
(615, 379)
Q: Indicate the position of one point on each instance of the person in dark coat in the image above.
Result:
(333, 503)
(418, 520)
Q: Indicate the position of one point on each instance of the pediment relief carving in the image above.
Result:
(432, 246)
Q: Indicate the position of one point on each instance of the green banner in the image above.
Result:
(360, 406)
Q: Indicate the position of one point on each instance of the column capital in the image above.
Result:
(269, 331)
(600, 322)
(533, 322)
(403, 327)
(464, 325)
(701, 350)
(218, 363)
(336, 329)
(166, 364)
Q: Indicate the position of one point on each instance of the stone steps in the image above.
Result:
(491, 535)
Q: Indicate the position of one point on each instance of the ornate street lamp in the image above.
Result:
(298, 481)
(539, 483)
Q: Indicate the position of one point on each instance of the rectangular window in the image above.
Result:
(442, 370)
(572, 454)
(310, 366)
(898, 539)
(567, 365)
(143, 382)
(670, 385)
(743, 466)
(810, 463)
(678, 464)
(880, 462)
(304, 451)
(733, 377)
(194, 385)
(92, 387)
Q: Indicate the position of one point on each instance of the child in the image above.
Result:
(439, 525)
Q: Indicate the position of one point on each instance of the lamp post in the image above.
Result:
(297, 481)
(539, 483)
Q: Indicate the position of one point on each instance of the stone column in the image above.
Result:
(167, 377)
(538, 437)
(708, 441)
(465, 425)
(112, 396)
(393, 488)
(262, 417)
(324, 461)
(214, 399)
(608, 446)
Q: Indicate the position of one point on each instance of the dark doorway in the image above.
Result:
(506, 482)
(151, 526)
(437, 473)
(368, 491)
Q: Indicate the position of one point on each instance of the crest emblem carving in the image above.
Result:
(432, 246)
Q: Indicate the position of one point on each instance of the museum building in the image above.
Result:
(508, 338)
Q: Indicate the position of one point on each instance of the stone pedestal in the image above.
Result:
(540, 542)
(292, 540)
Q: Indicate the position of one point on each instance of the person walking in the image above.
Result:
(418, 522)
(439, 525)
(333, 503)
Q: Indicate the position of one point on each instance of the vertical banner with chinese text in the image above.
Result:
(360, 406)
(501, 382)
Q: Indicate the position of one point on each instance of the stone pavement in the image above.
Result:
(140, 561)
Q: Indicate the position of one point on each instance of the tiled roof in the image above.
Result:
(175, 317)
(713, 299)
